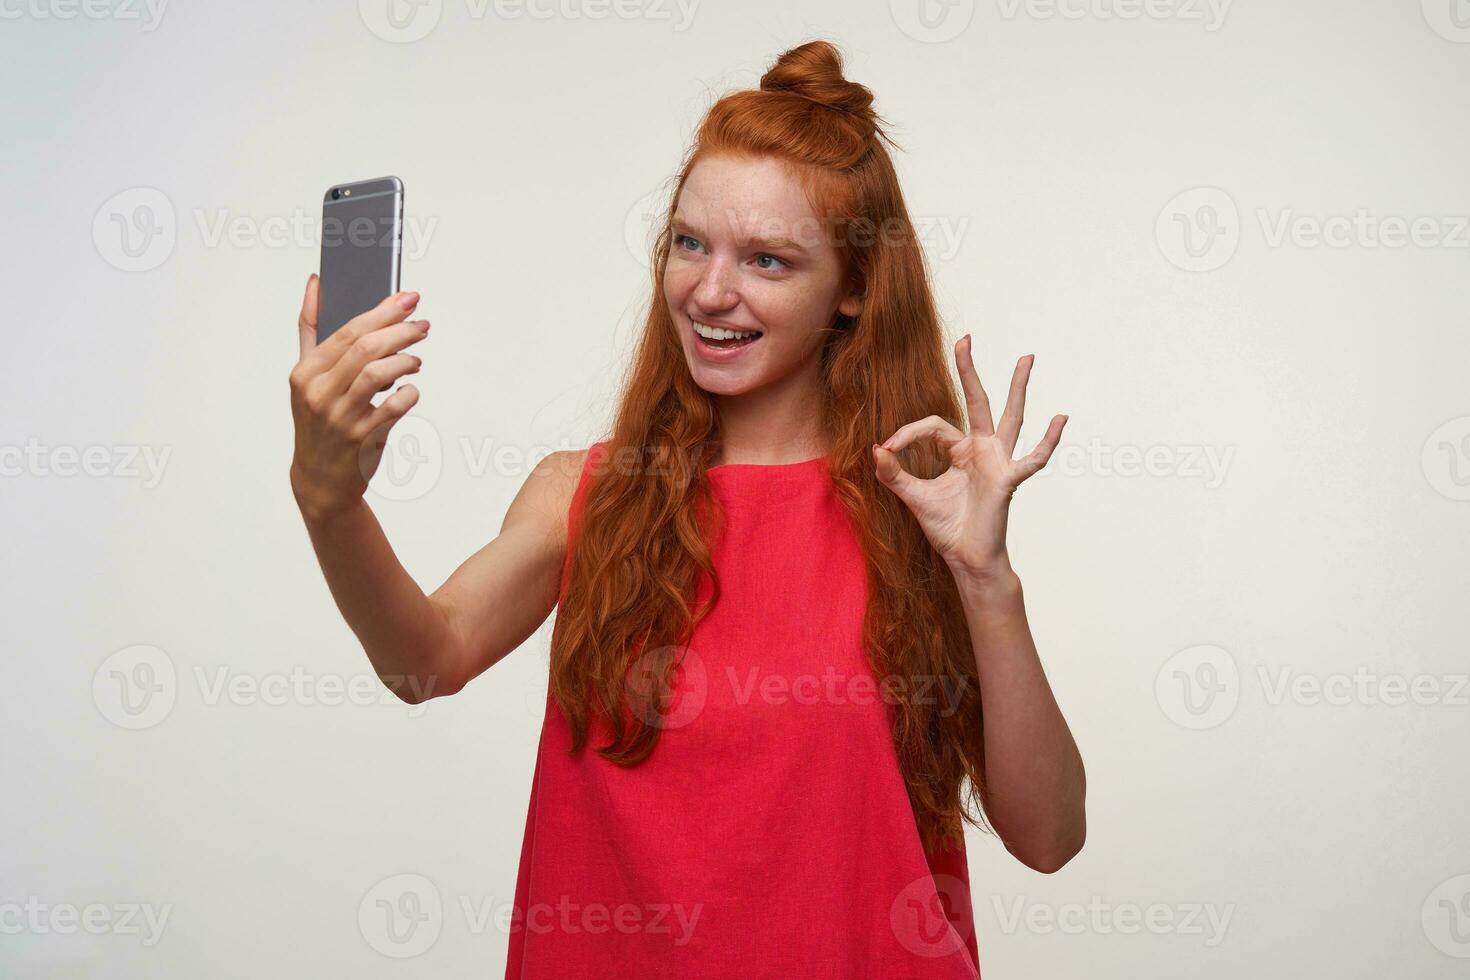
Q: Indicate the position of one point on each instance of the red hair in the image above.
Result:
(640, 545)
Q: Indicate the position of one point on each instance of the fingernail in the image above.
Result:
(423, 326)
(311, 278)
(408, 300)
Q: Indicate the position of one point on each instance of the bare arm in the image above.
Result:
(1035, 784)
(504, 592)
(421, 646)
(430, 646)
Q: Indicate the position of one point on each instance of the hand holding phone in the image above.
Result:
(340, 433)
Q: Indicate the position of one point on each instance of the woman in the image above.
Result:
(785, 666)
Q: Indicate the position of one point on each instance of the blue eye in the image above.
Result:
(679, 241)
(773, 259)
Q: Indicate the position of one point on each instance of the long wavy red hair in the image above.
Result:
(642, 539)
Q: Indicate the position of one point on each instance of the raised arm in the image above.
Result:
(504, 592)
(421, 646)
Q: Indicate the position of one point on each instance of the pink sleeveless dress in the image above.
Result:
(769, 834)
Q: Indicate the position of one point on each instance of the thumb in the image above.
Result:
(306, 323)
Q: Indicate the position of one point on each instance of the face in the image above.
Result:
(748, 256)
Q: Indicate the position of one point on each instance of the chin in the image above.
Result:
(717, 382)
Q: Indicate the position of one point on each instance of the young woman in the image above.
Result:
(790, 653)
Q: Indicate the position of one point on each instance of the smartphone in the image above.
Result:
(362, 250)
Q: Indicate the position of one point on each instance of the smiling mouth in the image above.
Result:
(720, 338)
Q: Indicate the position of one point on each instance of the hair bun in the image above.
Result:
(814, 72)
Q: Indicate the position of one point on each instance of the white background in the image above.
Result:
(1047, 147)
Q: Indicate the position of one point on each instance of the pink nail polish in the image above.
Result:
(408, 300)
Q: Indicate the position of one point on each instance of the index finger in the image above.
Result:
(393, 309)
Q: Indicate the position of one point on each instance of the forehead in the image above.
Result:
(744, 195)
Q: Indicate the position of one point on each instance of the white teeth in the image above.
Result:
(720, 333)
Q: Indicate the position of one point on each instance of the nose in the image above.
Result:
(716, 288)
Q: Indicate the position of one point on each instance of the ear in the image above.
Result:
(851, 305)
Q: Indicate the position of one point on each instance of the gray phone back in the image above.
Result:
(362, 250)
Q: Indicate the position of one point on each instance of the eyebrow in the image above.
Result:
(776, 243)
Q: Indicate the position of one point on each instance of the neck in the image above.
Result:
(777, 423)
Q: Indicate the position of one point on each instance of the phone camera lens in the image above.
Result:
(336, 193)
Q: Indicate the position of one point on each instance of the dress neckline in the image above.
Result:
(767, 467)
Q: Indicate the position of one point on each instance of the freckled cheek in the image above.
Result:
(780, 310)
(676, 289)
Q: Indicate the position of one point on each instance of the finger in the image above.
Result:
(371, 347)
(892, 474)
(930, 427)
(386, 415)
(393, 309)
(1009, 429)
(306, 322)
(379, 375)
(1037, 458)
(977, 403)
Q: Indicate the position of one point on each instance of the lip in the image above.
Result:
(714, 355)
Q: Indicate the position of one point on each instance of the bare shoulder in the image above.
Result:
(546, 496)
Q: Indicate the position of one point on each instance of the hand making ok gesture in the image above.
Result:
(963, 510)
